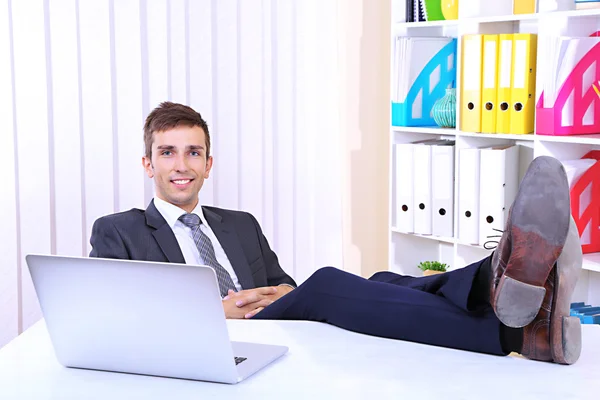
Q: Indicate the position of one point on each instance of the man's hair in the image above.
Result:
(169, 115)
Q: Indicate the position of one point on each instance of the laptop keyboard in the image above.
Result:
(239, 360)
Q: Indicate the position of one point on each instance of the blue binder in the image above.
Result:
(402, 112)
(587, 314)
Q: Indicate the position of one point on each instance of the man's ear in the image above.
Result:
(209, 163)
(147, 164)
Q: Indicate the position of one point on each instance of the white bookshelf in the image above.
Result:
(407, 250)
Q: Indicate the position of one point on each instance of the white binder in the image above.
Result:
(442, 168)
(422, 185)
(468, 195)
(498, 182)
(405, 217)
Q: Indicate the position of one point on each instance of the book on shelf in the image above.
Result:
(431, 10)
(524, 6)
(424, 181)
(488, 182)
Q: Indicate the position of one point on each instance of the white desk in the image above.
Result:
(324, 362)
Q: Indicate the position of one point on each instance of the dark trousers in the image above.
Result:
(438, 310)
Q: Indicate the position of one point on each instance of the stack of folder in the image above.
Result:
(498, 83)
(569, 104)
(424, 197)
(424, 173)
(585, 312)
(488, 182)
(424, 67)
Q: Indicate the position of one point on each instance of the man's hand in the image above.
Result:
(248, 303)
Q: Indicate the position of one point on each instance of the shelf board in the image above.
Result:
(593, 139)
(497, 136)
(443, 239)
(426, 24)
(591, 262)
(501, 18)
(572, 13)
(580, 139)
(473, 246)
(426, 129)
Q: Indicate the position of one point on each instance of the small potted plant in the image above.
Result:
(432, 267)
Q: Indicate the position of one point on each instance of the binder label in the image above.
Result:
(472, 69)
(489, 68)
(504, 72)
(520, 67)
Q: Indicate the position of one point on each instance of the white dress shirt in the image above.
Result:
(183, 234)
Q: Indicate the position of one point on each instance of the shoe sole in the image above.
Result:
(565, 331)
(570, 347)
(539, 221)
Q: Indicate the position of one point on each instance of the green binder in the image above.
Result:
(432, 10)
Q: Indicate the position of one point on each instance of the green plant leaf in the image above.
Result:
(433, 265)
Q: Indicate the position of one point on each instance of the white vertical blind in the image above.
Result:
(33, 142)
(178, 51)
(9, 204)
(226, 133)
(66, 119)
(284, 105)
(77, 79)
(250, 104)
(128, 104)
(100, 172)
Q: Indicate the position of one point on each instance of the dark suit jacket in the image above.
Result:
(145, 235)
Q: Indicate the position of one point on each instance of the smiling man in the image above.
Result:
(176, 228)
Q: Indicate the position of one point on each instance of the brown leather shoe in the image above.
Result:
(534, 237)
(554, 335)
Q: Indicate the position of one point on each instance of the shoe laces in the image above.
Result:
(494, 240)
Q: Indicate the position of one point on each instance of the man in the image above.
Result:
(175, 228)
(515, 300)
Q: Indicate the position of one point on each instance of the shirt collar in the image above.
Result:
(171, 212)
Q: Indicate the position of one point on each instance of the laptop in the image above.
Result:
(149, 318)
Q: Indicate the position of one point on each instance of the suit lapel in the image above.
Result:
(164, 235)
(230, 242)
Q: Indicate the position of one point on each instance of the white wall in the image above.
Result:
(364, 93)
(77, 78)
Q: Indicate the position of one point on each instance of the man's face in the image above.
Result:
(179, 165)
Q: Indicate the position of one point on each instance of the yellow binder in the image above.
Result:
(524, 6)
(505, 45)
(522, 113)
(489, 81)
(470, 103)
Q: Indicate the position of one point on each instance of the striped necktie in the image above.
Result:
(207, 252)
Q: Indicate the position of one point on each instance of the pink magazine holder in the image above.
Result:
(549, 120)
(588, 217)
